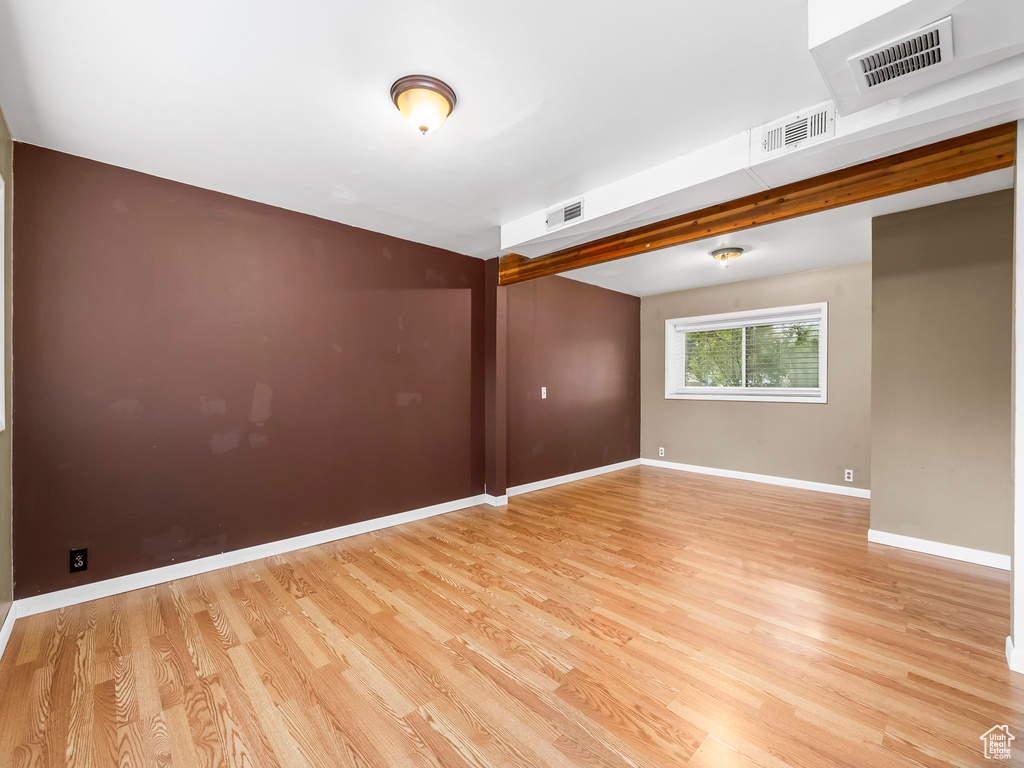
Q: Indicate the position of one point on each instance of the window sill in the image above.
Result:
(766, 398)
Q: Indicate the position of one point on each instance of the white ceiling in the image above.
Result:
(287, 103)
(839, 236)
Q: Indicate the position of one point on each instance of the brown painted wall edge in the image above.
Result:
(6, 258)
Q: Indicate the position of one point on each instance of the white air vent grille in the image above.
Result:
(923, 49)
(802, 129)
(564, 215)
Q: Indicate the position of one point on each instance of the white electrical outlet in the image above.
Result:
(543, 393)
(661, 451)
(848, 476)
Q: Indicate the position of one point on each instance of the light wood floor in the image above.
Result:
(646, 618)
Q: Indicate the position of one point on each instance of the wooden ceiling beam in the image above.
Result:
(957, 158)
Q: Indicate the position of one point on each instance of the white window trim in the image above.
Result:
(818, 394)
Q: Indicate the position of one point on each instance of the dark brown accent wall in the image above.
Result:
(199, 373)
(583, 344)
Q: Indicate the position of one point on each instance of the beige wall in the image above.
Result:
(803, 441)
(6, 572)
(941, 372)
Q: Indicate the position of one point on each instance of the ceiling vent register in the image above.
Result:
(798, 130)
(924, 49)
(564, 215)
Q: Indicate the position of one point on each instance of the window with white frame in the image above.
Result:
(768, 355)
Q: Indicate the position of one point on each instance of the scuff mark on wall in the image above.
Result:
(261, 397)
(176, 544)
(408, 398)
(213, 406)
(126, 408)
(344, 195)
(223, 442)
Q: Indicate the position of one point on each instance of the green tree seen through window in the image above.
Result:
(777, 355)
(714, 358)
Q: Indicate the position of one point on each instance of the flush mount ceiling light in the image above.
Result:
(722, 255)
(424, 101)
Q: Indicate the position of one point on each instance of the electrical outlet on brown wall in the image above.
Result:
(79, 559)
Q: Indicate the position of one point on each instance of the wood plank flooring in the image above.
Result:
(642, 618)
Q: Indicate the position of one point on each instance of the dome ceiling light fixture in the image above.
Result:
(424, 101)
(722, 255)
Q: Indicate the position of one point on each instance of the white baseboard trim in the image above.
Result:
(1014, 657)
(552, 481)
(8, 625)
(81, 594)
(808, 485)
(951, 551)
(496, 501)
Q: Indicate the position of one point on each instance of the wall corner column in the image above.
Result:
(495, 384)
(1015, 642)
